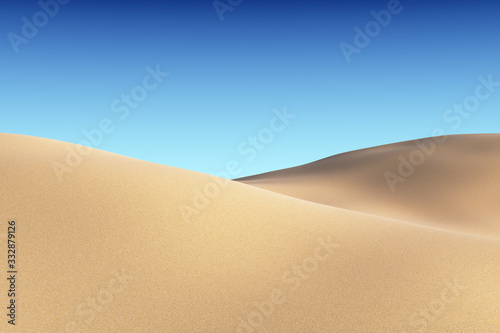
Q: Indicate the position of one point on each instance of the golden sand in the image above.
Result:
(109, 248)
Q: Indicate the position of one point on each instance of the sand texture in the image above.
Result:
(109, 247)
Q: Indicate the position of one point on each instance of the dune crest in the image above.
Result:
(453, 184)
(108, 250)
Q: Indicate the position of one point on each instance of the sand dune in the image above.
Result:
(456, 185)
(111, 249)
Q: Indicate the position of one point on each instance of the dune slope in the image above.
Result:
(453, 184)
(122, 245)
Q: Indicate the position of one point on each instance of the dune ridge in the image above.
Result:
(107, 250)
(456, 187)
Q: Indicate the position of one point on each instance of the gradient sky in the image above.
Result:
(226, 77)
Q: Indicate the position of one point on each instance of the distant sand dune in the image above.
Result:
(107, 249)
(457, 187)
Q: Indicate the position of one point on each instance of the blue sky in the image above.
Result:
(228, 78)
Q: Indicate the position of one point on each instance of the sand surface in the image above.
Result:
(456, 186)
(110, 248)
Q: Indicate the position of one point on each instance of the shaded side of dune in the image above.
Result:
(454, 184)
(109, 250)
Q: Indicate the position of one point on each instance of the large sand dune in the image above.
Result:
(456, 185)
(111, 249)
